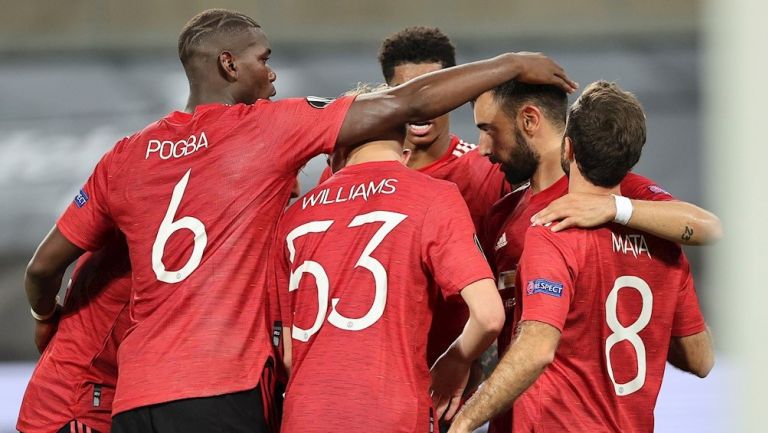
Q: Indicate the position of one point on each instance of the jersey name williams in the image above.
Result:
(342, 194)
(167, 149)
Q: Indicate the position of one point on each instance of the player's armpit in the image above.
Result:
(694, 353)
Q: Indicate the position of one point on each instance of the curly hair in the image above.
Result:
(415, 45)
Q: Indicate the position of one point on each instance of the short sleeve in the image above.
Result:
(688, 318)
(450, 247)
(86, 222)
(546, 278)
(639, 187)
(306, 127)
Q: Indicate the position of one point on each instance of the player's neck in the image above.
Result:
(549, 170)
(578, 183)
(375, 152)
(202, 96)
(425, 155)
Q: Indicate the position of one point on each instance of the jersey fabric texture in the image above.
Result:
(198, 197)
(503, 239)
(365, 257)
(617, 295)
(74, 380)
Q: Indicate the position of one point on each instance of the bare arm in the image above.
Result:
(451, 371)
(675, 221)
(694, 353)
(42, 281)
(532, 351)
(287, 350)
(378, 115)
(45, 271)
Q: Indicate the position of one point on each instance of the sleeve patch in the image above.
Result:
(540, 285)
(81, 199)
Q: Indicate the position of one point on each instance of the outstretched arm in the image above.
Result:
(378, 115)
(675, 221)
(531, 353)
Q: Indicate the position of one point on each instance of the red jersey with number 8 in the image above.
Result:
(198, 197)
(618, 296)
(364, 258)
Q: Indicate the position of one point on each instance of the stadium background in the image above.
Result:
(76, 76)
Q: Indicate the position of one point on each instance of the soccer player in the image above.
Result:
(522, 127)
(600, 310)
(72, 387)
(403, 56)
(198, 194)
(361, 260)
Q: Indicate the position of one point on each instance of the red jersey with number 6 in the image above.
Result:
(365, 256)
(198, 197)
(618, 296)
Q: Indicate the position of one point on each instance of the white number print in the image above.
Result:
(167, 227)
(620, 333)
(390, 220)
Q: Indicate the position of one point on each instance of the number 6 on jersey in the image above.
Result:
(167, 227)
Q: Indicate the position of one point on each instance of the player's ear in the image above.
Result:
(406, 156)
(530, 118)
(227, 66)
(568, 148)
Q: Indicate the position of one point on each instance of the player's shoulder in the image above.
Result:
(637, 186)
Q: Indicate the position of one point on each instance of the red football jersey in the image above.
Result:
(198, 197)
(503, 237)
(76, 375)
(365, 256)
(618, 296)
(481, 184)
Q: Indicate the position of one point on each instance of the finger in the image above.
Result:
(570, 85)
(546, 217)
(452, 408)
(564, 224)
(441, 406)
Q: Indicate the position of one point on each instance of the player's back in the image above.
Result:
(76, 375)
(363, 248)
(632, 292)
(198, 197)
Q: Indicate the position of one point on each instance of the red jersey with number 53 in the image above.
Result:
(618, 296)
(365, 255)
(198, 197)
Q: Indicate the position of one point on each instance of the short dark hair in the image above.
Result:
(606, 126)
(209, 24)
(552, 100)
(415, 45)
